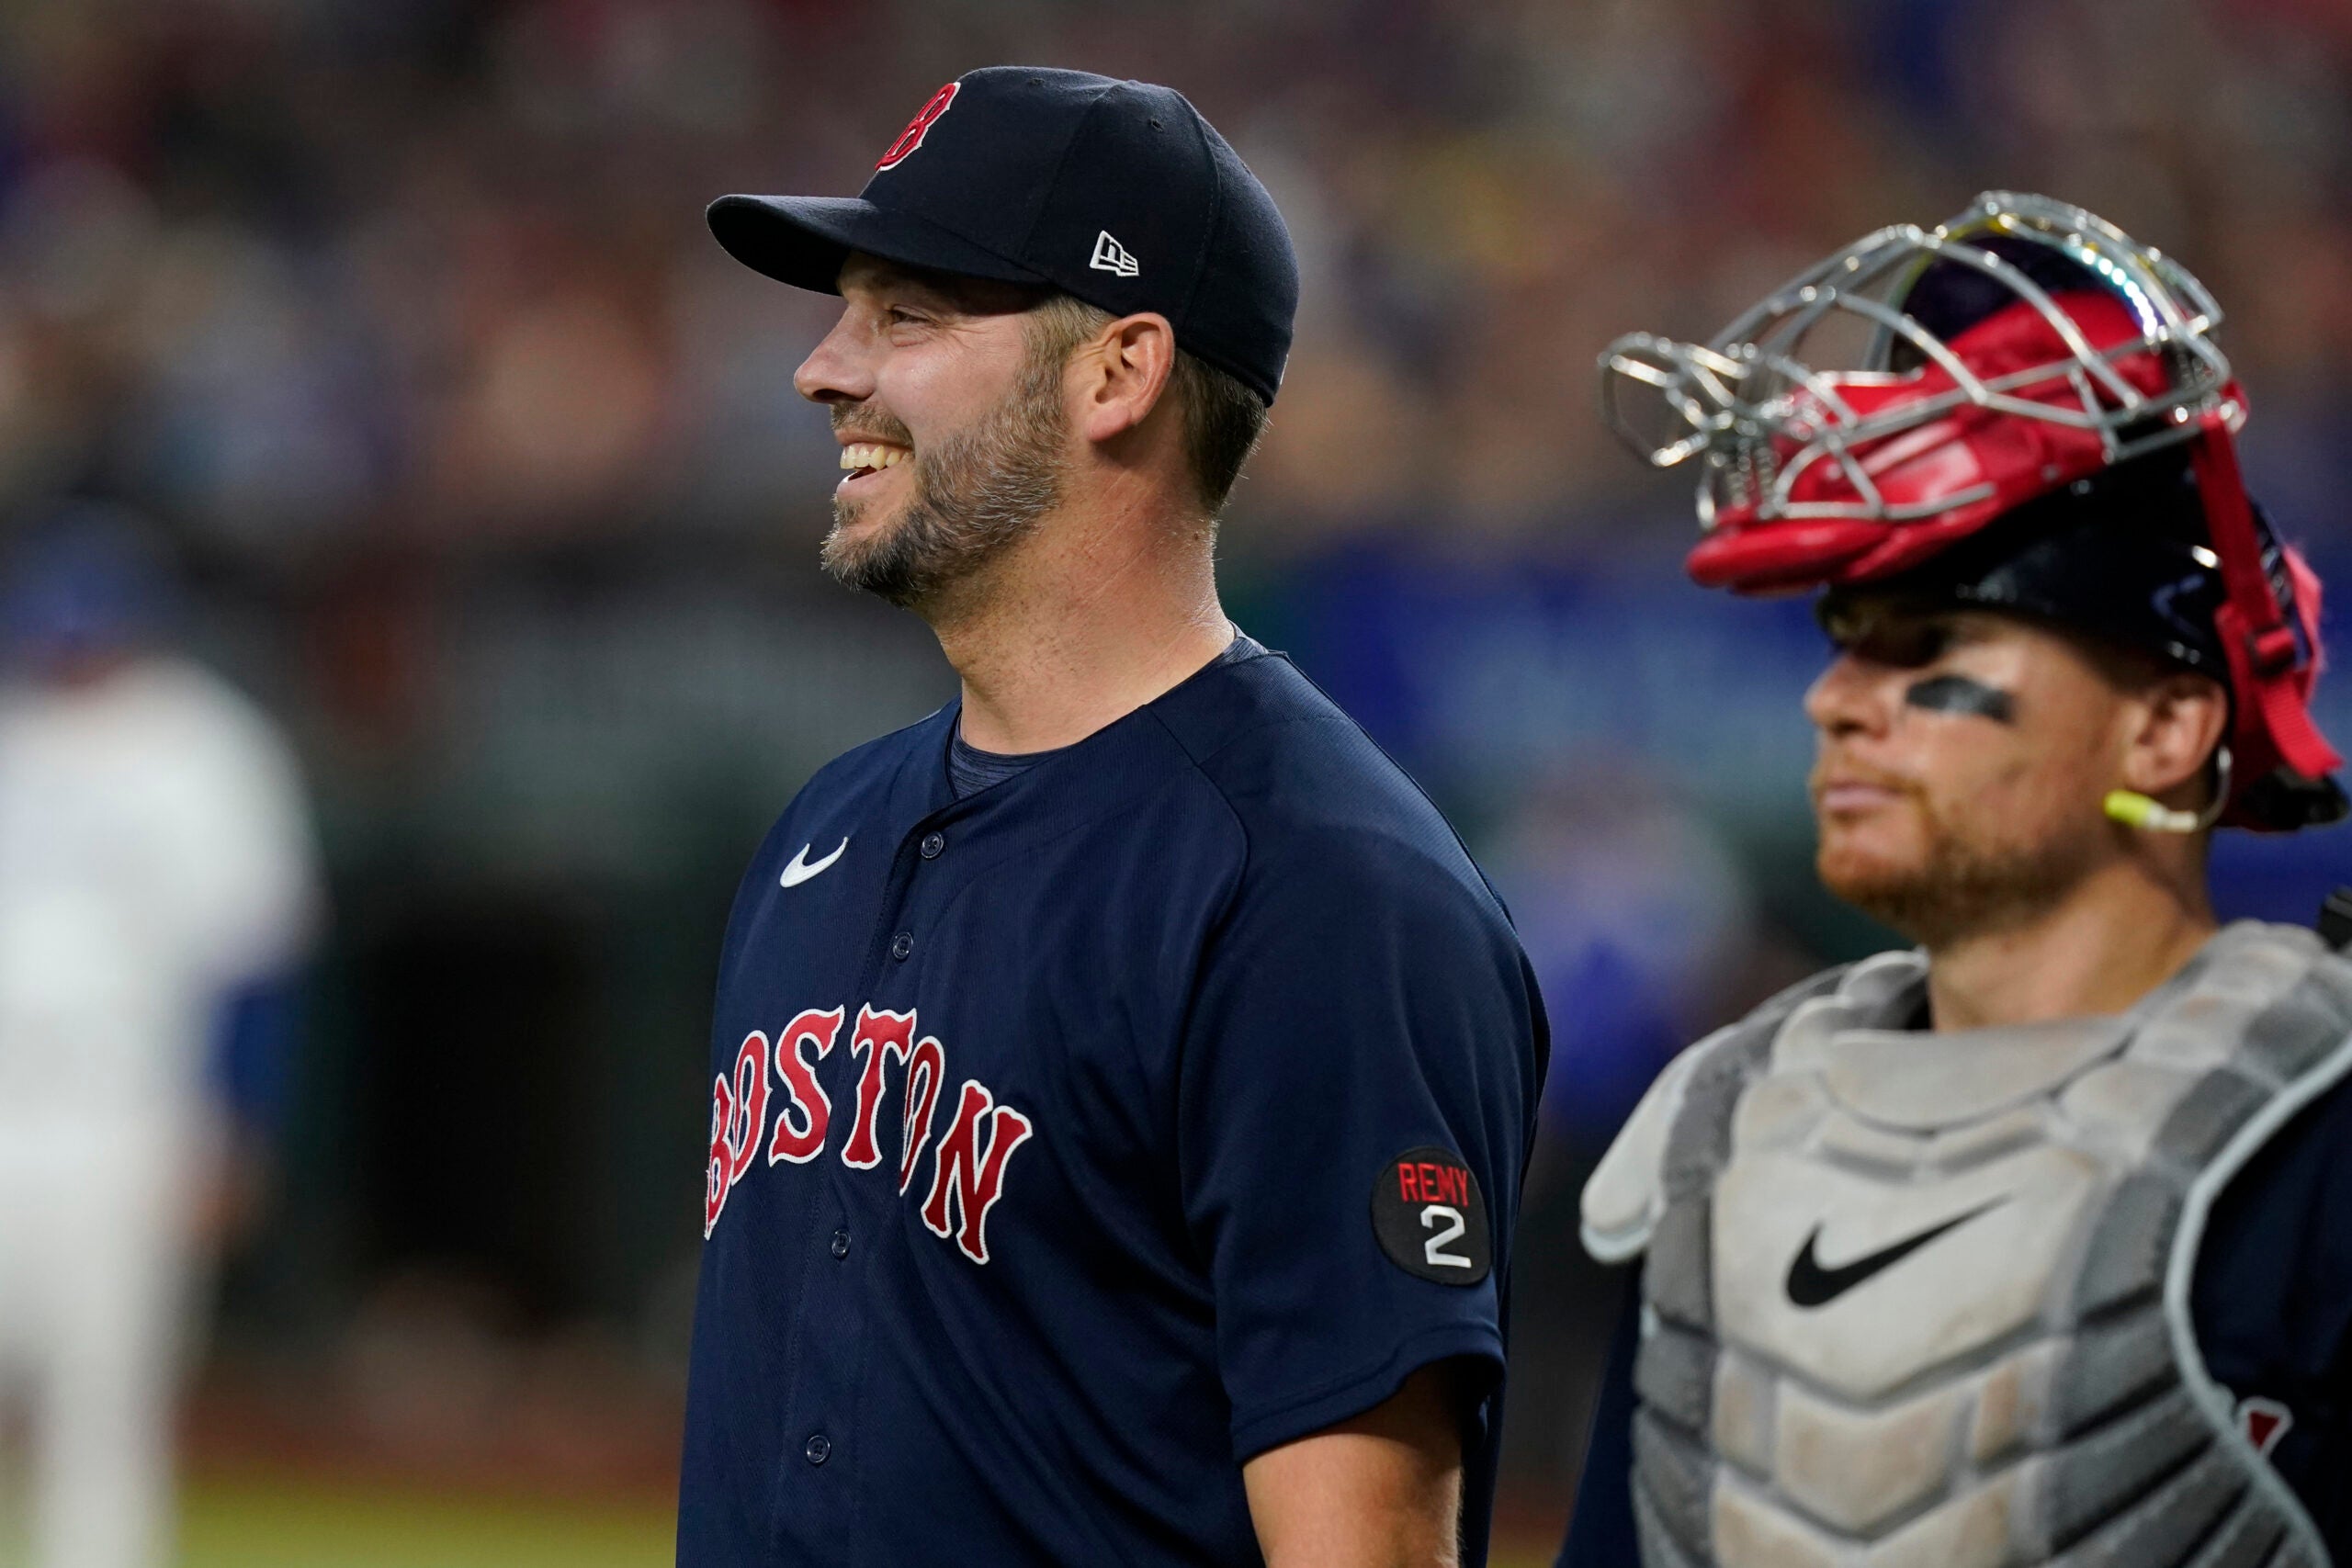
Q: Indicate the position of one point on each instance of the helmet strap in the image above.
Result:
(2269, 658)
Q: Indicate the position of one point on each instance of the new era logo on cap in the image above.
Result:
(1112, 257)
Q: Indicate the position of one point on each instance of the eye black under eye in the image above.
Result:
(1959, 695)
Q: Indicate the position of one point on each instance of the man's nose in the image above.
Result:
(1848, 698)
(837, 370)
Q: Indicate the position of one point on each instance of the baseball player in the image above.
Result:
(2033, 1244)
(1122, 1078)
(156, 862)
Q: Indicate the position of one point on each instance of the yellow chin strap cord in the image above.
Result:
(2136, 810)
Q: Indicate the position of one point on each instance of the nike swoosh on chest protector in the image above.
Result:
(1811, 1285)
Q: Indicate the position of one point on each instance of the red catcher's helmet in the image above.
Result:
(1899, 396)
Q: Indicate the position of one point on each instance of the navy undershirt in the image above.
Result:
(2272, 1301)
(971, 770)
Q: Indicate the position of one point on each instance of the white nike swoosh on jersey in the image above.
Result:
(800, 871)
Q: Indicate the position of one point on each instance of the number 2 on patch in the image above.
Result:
(1429, 1220)
(1433, 1249)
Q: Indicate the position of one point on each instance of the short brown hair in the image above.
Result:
(1223, 418)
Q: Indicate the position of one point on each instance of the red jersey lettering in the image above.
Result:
(804, 1099)
(738, 1110)
(968, 1160)
(926, 1068)
(715, 1183)
(878, 1037)
(968, 1178)
(750, 1105)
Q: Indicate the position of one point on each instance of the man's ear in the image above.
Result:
(2182, 719)
(1121, 374)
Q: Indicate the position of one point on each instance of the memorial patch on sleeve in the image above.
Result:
(1430, 1217)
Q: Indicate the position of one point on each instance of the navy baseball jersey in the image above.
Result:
(1076, 1140)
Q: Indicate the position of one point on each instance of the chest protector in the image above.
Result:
(1915, 1300)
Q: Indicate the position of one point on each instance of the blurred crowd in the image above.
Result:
(321, 279)
(483, 469)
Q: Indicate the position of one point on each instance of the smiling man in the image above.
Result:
(2032, 1245)
(1122, 1079)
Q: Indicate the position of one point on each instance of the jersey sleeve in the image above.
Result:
(1360, 1074)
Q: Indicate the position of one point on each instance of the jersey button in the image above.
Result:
(841, 1244)
(901, 945)
(932, 845)
(819, 1448)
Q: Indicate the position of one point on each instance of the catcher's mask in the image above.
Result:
(1895, 399)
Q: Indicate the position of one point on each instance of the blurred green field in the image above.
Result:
(278, 1525)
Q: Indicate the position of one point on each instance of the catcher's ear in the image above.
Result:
(2175, 725)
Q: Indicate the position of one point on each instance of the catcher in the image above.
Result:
(2033, 1244)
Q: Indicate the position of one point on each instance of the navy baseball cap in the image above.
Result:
(1119, 193)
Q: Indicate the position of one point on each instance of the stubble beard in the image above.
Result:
(976, 494)
(1958, 889)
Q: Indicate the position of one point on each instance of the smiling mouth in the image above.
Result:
(863, 458)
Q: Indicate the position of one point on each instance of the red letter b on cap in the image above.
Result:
(919, 127)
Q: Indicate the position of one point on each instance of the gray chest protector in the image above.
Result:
(1921, 1300)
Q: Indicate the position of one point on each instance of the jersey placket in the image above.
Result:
(821, 1498)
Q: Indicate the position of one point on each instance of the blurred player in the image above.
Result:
(155, 862)
(1123, 1076)
(2032, 1245)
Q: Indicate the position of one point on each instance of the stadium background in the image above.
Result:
(484, 471)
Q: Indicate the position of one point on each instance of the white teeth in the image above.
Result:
(872, 455)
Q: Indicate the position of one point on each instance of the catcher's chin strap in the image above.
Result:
(2267, 652)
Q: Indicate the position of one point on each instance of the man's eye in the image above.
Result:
(900, 316)
(1903, 648)
(1912, 646)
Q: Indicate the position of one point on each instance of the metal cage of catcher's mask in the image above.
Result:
(1763, 408)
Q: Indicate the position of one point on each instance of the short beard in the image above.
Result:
(1961, 890)
(976, 494)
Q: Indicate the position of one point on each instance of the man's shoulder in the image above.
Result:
(1295, 769)
(1285, 755)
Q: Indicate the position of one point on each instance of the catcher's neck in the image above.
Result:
(2115, 938)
